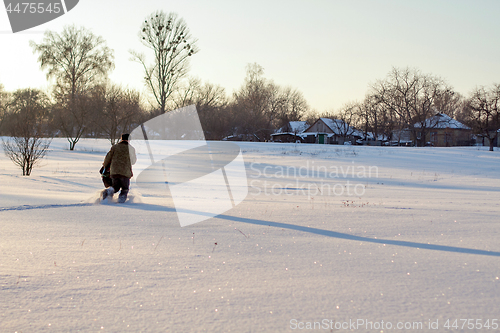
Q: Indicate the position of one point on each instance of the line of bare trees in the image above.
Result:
(407, 98)
(253, 112)
(105, 111)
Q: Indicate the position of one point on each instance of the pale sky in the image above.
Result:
(331, 51)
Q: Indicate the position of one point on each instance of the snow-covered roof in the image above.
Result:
(339, 127)
(441, 120)
(335, 125)
(357, 132)
(298, 126)
(293, 127)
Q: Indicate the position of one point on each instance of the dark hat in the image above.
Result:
(125, 137)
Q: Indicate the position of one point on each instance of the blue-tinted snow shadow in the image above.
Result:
(341, 235)
(327, 233)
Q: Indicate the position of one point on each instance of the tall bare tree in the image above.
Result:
(484, 112)
(375, 118)
(27, 126)
(77, 60)
(346, 118)
(120, 110)
(211, 103)
(172, 44)
(250, 105)
(412, 96)
(450, 103)
(287, 104)
(260, 106)
(185, 94)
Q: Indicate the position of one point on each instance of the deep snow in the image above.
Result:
(418, 243)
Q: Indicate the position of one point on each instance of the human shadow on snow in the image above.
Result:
(328, 233)
(341, 235)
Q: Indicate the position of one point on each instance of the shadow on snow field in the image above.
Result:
(321, 232)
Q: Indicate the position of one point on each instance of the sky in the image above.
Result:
(331, 51)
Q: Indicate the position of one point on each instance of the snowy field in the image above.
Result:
(329, 239)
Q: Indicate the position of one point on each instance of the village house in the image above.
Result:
(440, 130)
(331, 131)
(444, 131)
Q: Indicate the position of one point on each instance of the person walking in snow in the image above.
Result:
(120, 159)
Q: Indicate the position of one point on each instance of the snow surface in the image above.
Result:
(419, 244)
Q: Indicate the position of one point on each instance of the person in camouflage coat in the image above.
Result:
(120, 158)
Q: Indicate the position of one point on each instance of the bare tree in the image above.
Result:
(211, 103)
(368, 118)
(484, 106)
(26, 124)
(73, 116)
(450, 103)
(373, 117)
(120, 110)
(413, 97)
(77, 60)
(250, 105)
(344, 121)
(261, 106)
(286, 104)
(170, 40)
(185, 94)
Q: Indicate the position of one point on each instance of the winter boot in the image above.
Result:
(108, 193)
(122, 197)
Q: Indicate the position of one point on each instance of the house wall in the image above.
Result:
(309, 139)
(332, 140)
(448, 137)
